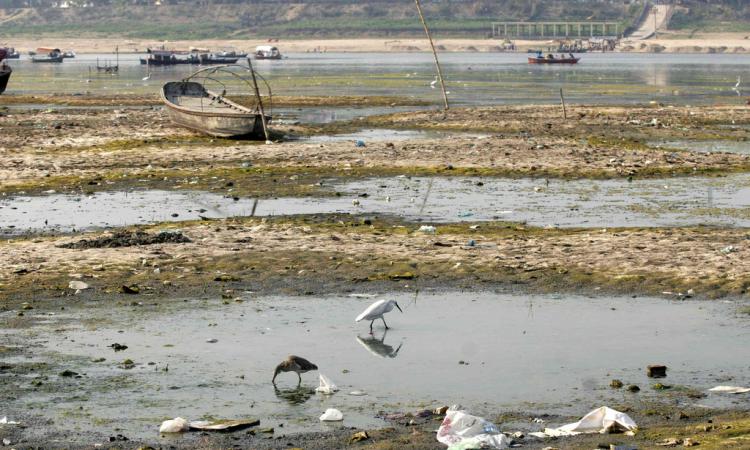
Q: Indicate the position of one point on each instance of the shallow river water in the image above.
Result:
(538, 353)
(719, 201)
(473, 78)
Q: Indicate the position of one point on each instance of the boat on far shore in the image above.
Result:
(551, 59)
(267, 52)
(47, 55)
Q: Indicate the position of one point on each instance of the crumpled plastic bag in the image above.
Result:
(176, 425)
(326, 385)
(332, 415)
(601, 420)
(730, 389)
(461, 430)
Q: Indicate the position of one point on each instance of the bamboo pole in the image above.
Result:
(260, 102)
(562, 101)
(434, 53)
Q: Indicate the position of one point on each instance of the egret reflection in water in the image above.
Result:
(378, 347)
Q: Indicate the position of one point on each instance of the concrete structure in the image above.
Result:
(546, 30)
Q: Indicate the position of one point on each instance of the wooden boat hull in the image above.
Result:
(47, 59)
(553, 61)
(235, 121)
(5, 72)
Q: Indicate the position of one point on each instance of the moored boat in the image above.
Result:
(47, 55)
(169, 58)
(12, 53)
(190, 105)
(212, 58)
(551, 59)
(5, 70)
(267, 52)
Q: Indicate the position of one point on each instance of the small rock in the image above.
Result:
(633, 388)
(212, 340)
(689, 443)
(440, 411)
(615, 384)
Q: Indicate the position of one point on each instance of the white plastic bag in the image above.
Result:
(176, 425)
(461, 430)
(332, 415)
(326, 385)
(600, 420)
(730, 389)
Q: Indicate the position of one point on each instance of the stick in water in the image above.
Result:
(562, 101)
(260, 102)
(434, 53)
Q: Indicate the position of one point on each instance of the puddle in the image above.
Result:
(742, 147)
(681, 201)
(329, 114)
(558, 352)
(380, 134)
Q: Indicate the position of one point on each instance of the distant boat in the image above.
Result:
(12, 53)
(47, 55)
(69, 54)
(169, 58)
(213, 58)
(190, 105)
(231, 54)
(550, 59)
(267, 52)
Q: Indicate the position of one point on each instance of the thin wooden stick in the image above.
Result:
(434, 53)
(562, 101)
(260, 102)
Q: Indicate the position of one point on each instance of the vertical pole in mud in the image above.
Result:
(260, 102)
(434, 53)
(562, 101)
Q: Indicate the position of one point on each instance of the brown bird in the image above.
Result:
(293, 364)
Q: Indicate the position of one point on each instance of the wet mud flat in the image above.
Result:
(116, 365)
(308, 253)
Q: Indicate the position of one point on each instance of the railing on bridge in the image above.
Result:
(546, 30)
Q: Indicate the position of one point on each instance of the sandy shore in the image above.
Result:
(700, 43)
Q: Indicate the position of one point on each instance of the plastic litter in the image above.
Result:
(223, 425)
(5, 421)
(77, 285)
(176, 425)
(429, 229)
(332, 415)
(326, 385)
(461, 430)
(601, 420)
(730, 389)
(359, 143)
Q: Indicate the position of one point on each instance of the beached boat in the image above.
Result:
(190, 105)
(47, 55)
(550, 59)
(5, 70)
(267, 52)
(12, 53)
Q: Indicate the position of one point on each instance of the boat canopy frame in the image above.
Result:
(206, 74)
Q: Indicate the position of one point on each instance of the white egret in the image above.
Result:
(376, 311)
(294, 364)
(434, 82)
(736, 87)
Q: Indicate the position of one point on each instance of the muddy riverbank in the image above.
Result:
(80, 150)
(312, 253)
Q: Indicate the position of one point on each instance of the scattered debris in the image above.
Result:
(729, 389)
(223, 425)
(357, 393)
(427, 229)
(729, 249)
(331, 415)
(132, 289)
(600, 420)
(129, 239)
(176, 425)
(5, 421)
(461, 430)
(118, 347)
(656, 371)
(359, 436)
(77, 285)
(326, 385)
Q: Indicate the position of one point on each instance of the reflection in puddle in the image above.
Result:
(722, 201)
(482, 350)
(378, 347)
